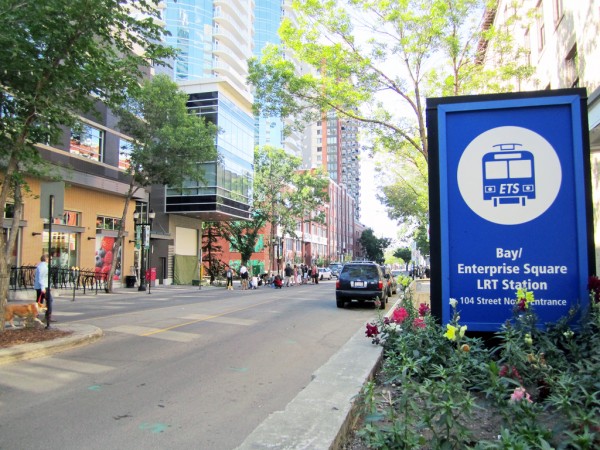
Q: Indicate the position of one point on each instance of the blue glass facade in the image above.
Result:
(190, 25)
(227, 188)
(267, 18)
(227, 191)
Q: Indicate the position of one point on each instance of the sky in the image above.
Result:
(373, 214)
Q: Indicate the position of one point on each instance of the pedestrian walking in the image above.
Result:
(42, 288)
(229, 278)
(244, 277)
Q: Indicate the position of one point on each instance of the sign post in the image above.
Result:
(510, 203)
(52, 200)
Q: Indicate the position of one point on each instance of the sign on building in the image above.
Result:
(510, 204)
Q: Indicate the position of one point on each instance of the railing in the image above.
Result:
(22, 278)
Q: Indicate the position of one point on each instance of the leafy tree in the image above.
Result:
(169, 143)
(365, 50)
(58, 58)
(374, 247)
(210, 247)
(404, 254)
(284, 195)
(274, 172)
(308, 198)
(422, 239)
(243, 236)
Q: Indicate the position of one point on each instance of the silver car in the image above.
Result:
(325, 273)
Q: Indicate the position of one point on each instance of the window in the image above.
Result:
(70, 218)
(63, 248)
(557, 8)
(107, 223)
(540, 25)
(9, 211)
(571, 72)
(125, 148)
(87, 141)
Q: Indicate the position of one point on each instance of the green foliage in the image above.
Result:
(242, 235)
(535, 387)
(170, 144)
(284, 195)
(404, 254)
(60, 57)
(368, 54)
(374, 247)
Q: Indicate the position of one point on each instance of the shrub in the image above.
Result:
(539, 385)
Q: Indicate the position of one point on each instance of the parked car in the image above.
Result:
(361, 281)
(392, 284)
(325, 273)
(335, 269)
(398, 272)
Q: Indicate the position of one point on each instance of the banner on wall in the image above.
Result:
(104, 256)
(510, 205)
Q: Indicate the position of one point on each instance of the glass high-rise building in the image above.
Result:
(215, 40)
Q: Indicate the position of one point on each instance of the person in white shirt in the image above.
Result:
(42, 288)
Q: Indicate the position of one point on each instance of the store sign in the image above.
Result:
(510, 205)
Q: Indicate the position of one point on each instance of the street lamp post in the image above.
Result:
(145, 238)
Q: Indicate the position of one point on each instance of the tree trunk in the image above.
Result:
(6, 250)
(119, 241)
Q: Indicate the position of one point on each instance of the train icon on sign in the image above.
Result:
(508, 175)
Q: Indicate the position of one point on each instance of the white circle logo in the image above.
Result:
(509, 175)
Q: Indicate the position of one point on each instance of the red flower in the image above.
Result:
(372, 330)
(522, 304)
(514, 373)
(594, 287)
(423, 309)
(399, 315)
(503, 371)
(419, 323)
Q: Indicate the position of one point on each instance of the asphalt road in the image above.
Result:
(176, 369)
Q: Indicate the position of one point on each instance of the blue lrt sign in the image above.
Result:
(510, 205)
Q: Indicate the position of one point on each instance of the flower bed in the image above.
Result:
(520, 388)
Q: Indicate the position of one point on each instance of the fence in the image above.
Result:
(22, 278)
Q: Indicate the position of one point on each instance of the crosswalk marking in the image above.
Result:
(221, 319)
(176, 336)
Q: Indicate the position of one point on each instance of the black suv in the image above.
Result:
(361, 281)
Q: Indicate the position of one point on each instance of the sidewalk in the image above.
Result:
(82, 334)
(321, 416)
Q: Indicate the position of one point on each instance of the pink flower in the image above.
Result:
(399, 315)
(423, 309)
(519, 394)
(372, 330)
(418, 323)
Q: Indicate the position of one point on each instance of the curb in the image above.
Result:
(324, 413)
(82, 334)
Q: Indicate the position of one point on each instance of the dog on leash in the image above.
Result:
(24, 312)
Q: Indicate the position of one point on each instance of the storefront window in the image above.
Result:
(63, 249)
